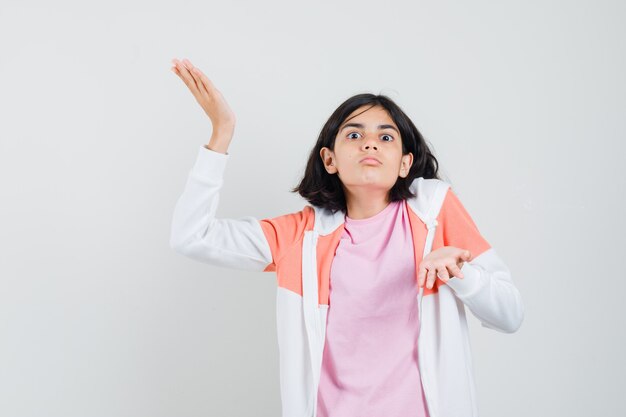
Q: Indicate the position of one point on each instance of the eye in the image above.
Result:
(385, 140)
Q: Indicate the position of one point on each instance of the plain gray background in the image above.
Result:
(523, 103)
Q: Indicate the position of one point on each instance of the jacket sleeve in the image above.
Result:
(195, 232)
(486, 288)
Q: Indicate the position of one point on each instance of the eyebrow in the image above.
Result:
(361, 126)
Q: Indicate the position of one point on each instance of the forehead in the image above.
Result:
(370, 111)
(369, 115)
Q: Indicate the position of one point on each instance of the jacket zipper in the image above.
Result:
(316, 316)
(314, 259)
(420, 294)
(419, 351)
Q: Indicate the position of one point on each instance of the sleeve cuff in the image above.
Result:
(471, 282)
(210, 163)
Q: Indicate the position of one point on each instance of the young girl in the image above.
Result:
(373, 276)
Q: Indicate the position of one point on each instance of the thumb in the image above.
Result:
(466, 255)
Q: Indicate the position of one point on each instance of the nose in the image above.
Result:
(369, 143)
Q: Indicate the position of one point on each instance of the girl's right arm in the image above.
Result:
(195, 232)
(244, 243)
(198, 234)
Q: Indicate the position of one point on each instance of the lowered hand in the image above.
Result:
(442, 263)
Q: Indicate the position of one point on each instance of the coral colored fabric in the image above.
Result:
(369, 365)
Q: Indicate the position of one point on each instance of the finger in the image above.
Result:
(455, 270)
(431, 278)
(186, 62)
(187, 78)
(181, 70)
(421, 276)
(189, 66)
(193, 71)
(206, 81)
(175, 69)
(466, 255)
(442, 274)
(201, 84)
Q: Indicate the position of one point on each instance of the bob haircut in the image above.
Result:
(325, 190)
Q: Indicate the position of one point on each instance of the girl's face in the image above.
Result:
(370, 134)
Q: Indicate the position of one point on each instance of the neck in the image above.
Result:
(366, 203)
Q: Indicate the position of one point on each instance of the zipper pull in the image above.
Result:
(432, 224)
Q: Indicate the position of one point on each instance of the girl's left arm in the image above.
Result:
(486, 288)
(488, 291)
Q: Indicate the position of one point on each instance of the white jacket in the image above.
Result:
(300, 247)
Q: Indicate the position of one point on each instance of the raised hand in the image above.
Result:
(207, 95)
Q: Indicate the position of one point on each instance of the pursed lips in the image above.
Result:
(370, 160)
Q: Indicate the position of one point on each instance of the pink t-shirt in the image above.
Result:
(369, 365)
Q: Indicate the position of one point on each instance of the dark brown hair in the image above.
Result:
(322, 189)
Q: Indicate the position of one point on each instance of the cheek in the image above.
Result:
(346, 154)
